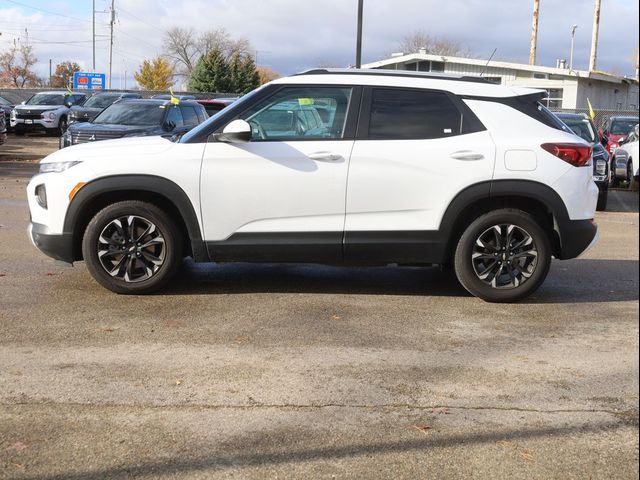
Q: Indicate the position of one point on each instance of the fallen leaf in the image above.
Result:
(178, 382)
(16, 447)
(422, 428)
(241, 339)
(335, 317)
(109, 329)
(441, 410)
(527, 456)
(51, 274)
(3, 274)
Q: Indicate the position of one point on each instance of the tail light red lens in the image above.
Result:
(576, 154)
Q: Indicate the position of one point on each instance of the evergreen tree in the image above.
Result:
(211, 73)
(249, 77)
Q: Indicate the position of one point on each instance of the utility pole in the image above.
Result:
(534, 32)
(573, 35)
(94, 36)
(112, 20)
(359, 39)
(594, 36)
(49, 72)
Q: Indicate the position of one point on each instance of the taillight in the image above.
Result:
(576, 154)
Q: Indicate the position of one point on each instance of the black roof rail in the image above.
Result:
(394, 73)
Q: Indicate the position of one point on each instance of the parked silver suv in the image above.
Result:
(45, 111)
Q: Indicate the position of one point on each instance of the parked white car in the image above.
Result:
(45, 112)
(336, 167)
(626, 160)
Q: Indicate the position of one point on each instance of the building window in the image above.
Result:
(541, 75)
(554, 98)
(496, 80)
(425, 66)
(437, 66)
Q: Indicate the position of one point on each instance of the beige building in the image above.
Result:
(567, 88)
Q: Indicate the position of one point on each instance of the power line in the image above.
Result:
(155, 27)
(47, 11)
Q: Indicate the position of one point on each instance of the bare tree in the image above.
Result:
(419, 40)
(183, 47)
(180, 46)
(15, 67)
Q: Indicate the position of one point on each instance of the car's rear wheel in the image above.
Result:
(633, 181)
(603, 198)
(132, 247)
(503, 256)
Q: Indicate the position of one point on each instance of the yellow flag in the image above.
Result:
(592, 114)
(174, 100)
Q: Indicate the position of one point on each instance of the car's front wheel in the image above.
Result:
(503, 256)
(132, 247)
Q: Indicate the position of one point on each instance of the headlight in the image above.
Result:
(52, 115)
(57, 167)
(601, 167)
(13, 114)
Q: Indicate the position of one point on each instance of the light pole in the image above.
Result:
(573, 35)
(359, 39)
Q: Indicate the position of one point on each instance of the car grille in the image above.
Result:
(84, 137)
(29, 116)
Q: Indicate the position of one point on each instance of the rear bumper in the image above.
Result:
(576, 237)
(56, 246)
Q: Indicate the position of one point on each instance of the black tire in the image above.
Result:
(537, 269)
(633, 181)
(19, 133)
(165, 229)
(603, 198)
(62, 126)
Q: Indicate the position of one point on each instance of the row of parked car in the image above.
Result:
(78, 117)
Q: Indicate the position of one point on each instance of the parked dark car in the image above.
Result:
(3, 127)
(582, 126)
(96, 103)
(7, 107)
(214, 105)
(167, 96)
(616, 130)
(137, 118)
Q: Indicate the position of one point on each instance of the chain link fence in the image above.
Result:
(601, 115)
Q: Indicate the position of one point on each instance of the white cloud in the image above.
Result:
(290, 35)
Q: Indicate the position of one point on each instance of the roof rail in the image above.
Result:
(393, 73)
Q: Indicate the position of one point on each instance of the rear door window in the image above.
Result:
(398, 114)
(190, 116)
(174, 116)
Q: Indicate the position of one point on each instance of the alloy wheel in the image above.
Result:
(504, 256)
(131, 248)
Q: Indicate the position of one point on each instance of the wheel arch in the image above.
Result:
(164, 193)
(535, 198)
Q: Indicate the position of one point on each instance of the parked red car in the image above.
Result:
(616, 130)
(214, 105)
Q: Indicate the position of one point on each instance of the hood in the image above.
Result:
(106, 150)
(122, 129)
(36, 108)
(85, 111)
(617, 137)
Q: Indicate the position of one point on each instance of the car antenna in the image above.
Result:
(487, 64)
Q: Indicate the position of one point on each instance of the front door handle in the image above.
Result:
(325, 156)
(466, 155)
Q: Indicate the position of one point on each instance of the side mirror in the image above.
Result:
(24, 102)
(68, 104)
(237, 131)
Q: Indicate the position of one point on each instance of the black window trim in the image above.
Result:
(235, 110)
(469, 119)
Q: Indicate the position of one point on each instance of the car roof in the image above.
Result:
(61, 92)
(574, 116)
(466, 85)
(157, 101)
(215, 101)
(624, 117)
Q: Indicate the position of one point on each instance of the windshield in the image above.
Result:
(237, 106)
(4, 101)
(47, 99)
(133, 114)
(623, 126)
(581, 127)
(101, 101)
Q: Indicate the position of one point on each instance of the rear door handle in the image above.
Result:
(325, 156)
(466, 155)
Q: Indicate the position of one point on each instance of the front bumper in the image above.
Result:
(576, 237)
(36, 125)
(56, 246)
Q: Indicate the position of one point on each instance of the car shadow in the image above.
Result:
(622, 201)
(575, 281)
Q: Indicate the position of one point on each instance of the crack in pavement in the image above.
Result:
(292, 406)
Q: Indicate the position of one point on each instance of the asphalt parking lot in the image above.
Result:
(262, 371)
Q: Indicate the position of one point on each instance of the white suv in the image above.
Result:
(343, 167)
(45, 111)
